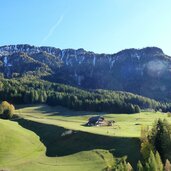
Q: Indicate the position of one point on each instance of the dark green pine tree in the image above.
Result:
(161, 139)
(137, 109)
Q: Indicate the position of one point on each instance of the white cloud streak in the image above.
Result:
(53, 28)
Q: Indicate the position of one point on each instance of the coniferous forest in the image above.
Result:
(34, 91)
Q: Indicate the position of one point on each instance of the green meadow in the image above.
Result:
(21, 149)
(39, 139)
(127, 125)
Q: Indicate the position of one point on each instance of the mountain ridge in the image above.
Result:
(22, 47)
(145, 71)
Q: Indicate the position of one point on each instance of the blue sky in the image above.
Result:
(102, 26)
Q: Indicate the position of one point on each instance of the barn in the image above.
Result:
(99, 121)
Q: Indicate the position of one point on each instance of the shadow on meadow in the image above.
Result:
(58, 110)
(61, 142)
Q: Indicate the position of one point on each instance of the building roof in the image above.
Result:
(95, 119)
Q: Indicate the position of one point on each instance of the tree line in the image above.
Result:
(23, 91)
(155, 149)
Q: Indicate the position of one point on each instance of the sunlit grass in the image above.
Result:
(127, 125)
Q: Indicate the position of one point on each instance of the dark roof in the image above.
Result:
(96, 118)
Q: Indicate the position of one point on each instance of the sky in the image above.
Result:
(102, 26)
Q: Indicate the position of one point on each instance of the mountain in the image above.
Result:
(146, 71)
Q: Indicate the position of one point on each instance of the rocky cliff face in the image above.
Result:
(146, 71)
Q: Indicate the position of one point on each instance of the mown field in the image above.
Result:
(34, 142)
(127, 125)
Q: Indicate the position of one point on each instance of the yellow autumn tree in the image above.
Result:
(6, 110)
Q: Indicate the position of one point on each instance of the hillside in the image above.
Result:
(13, 140)
(39, 132)
(33, 91)
(21, 149)
(141, 71)
(120, 139)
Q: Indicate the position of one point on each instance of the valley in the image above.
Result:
(40, 128)
(56, 92)
(85, 85)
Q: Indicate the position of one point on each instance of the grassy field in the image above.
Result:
(21, 150)
(35, 142)
(13, 142)
(127, 125)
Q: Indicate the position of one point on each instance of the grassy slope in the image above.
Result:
(122, 138)
(79, 151)
(85, 161)
(50, 135)
(13, 142)
(20, 149)
(127, 125)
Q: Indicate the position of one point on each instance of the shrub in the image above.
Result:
(6, 110)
